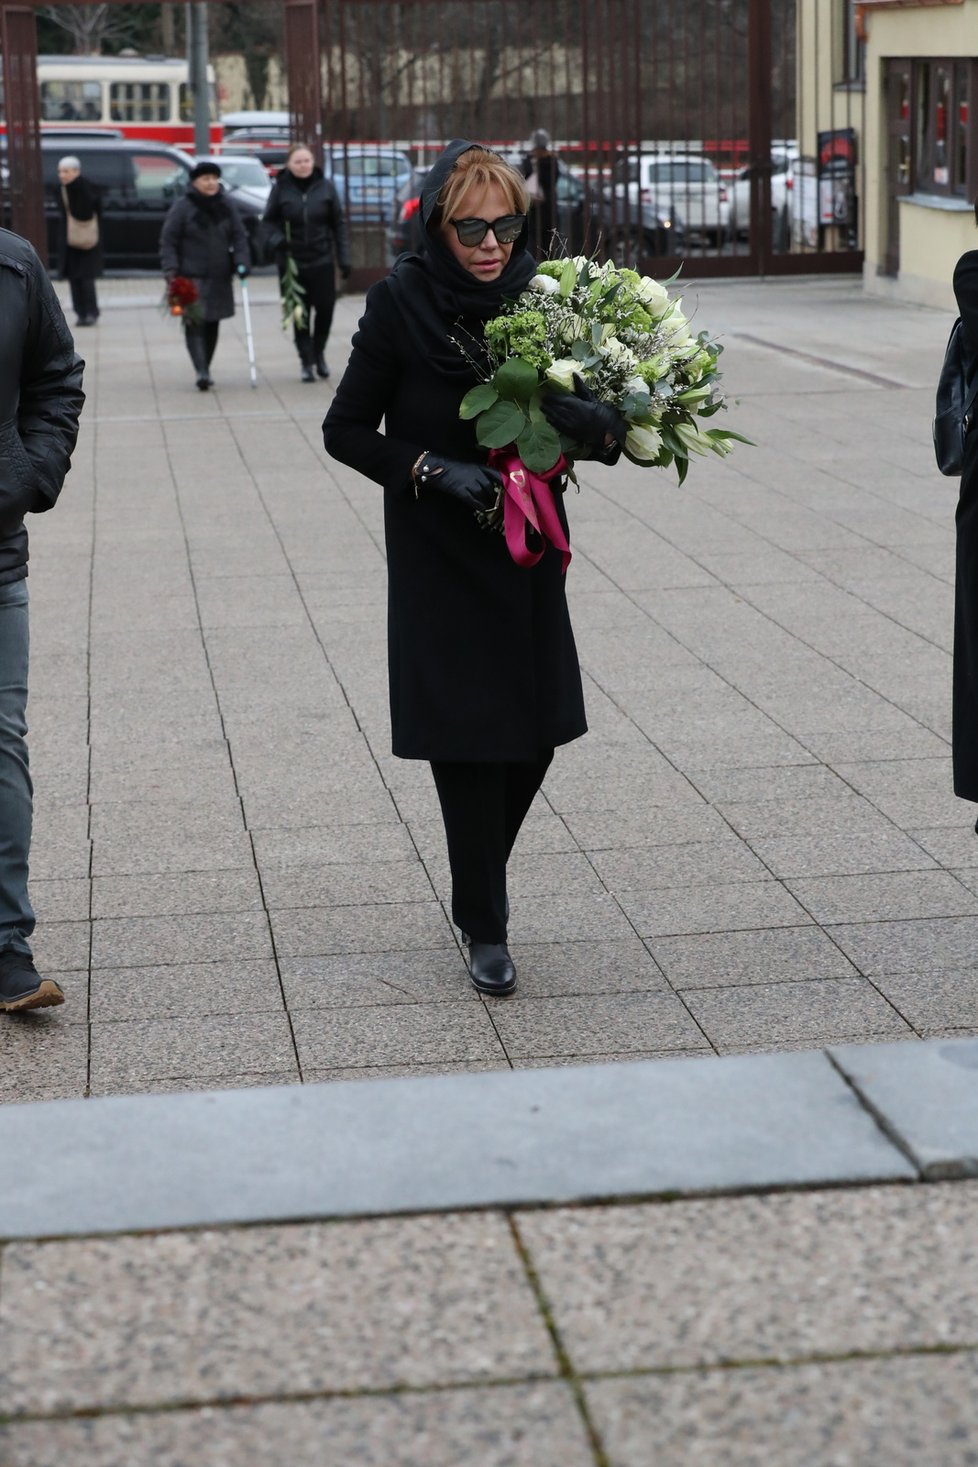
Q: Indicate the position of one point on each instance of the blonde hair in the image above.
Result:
(478, 169)
(299, 148)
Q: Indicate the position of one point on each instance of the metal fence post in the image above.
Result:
(18, 38)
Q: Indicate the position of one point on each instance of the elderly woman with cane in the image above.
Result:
(204, 239)
(484, 678)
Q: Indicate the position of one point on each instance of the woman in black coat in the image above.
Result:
(964, 725)
(304, 219)
(80, 267)
(484, 679)
(203, 238)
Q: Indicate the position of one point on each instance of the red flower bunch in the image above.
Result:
(181, 298)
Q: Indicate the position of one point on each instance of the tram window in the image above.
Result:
(71, 101)
(139, 101)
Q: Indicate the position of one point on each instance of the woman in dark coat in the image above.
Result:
(80, 267)
(304, 219)
(203, 238)
(484, 679)
(964, 726)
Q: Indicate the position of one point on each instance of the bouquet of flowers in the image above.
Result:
(630, 345)
(291, 289)
(181, 298)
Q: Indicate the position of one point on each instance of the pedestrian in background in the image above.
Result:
(204, 239)
(964, 722)
(540, 167)
(304, 218)
(40, 402)
(484, 678)
(80, 260)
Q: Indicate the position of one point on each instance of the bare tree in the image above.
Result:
(90, 27)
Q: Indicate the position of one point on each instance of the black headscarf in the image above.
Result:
(440, 299)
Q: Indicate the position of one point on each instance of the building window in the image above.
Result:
(853, 44)
(941, 90)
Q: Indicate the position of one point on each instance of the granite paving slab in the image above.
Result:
(781, 955)
(820, 1011)
(128, 942)
(349, 980)
(735, 906)
(181, 1047)
(466, 1140)
(374, 928)
(933, 1000)
(185, 989)
(595, 1024)
(423, 1033)
(901, 1410)
(381, 1303)
(936, 944)
(496, 1426)
(688, 1283)
(893, 895)
(926, 1096)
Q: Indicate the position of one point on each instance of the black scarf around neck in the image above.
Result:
(441, 300)
(212, 206)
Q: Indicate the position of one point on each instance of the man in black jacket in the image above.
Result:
(40, 402)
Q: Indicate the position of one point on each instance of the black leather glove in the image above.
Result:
(345, 272)
(476, 485)
(582, 417)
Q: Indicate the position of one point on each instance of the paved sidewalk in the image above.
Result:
(755, 848)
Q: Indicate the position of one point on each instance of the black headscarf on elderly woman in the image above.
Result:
(434, 291)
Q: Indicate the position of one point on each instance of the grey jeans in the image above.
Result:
(16, 789)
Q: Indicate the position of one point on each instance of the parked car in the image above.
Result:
(137, 182)
(683, 186)
(740, 191)
(369, 178)
(404, 230)
(269, 145)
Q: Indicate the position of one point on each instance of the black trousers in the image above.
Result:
(84, 299)
(483, 807)
(202, 343)
(319, 283)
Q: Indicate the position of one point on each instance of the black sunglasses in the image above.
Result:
(473, 231)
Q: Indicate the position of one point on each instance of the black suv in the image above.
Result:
(138, 183)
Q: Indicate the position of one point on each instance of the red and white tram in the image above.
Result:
(143, 97)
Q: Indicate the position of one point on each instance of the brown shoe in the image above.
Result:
(21, 985)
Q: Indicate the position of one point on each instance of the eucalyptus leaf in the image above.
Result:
(501, 424)
(568, 279)
(515, 379)
(477, 399)
(539, 446)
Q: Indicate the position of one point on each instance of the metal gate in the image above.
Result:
(696, 132)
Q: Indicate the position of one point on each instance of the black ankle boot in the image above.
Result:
(321, 368)
(491, 968)
(308, 375)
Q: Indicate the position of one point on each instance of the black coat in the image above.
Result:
(482, 661)
(964, 727)
(84, 201)
(206, 244)
(40, 398)
(317, 233)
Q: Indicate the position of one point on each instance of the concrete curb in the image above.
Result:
(896, 1112)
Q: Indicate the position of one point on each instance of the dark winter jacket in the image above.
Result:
(482, 662)
(317, 233)
(964, 723)
(84, 201)
(40, 398)
(204, 239)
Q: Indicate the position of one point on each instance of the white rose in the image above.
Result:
(651, 293)
(546, 283)
(561, 373)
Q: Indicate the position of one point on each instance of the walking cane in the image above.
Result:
(246, 308)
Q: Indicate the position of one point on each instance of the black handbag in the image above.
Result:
(955, 404)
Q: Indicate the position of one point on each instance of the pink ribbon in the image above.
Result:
(529, 500)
